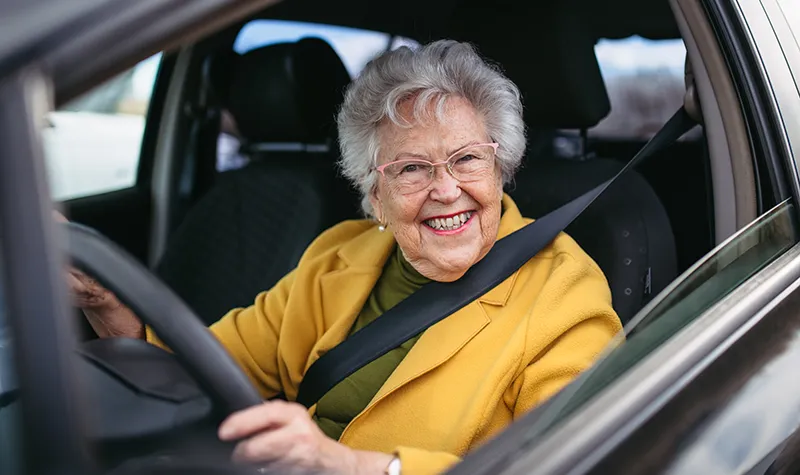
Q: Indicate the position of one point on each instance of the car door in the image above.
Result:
(99, 151)
(705, 381)
(43, 40)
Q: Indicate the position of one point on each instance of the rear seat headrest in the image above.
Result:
(286, 92)
(571, 93)
(547, 49)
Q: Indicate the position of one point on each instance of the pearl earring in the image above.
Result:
(381, 228)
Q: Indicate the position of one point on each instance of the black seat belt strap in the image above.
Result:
(437, 300)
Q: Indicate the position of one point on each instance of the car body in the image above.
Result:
(704, 380)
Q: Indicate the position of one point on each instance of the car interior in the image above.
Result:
(218, 237)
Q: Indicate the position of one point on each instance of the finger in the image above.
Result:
(85, 278)
(75, 284)
(269, 415)
(59, 217)
(270, 446)
(78, 276)
(90, 287)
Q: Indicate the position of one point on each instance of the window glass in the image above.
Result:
(92, 144)
(702, 286)
(645, 84)
(354, 46)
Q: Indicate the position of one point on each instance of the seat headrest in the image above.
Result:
(547, 49)
(287, 92)
(569, 92)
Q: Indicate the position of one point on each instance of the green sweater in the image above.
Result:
(351, 396)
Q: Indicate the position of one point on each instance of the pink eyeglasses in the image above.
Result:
(471, 163)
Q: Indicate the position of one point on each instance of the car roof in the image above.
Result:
(108, 36)
(84, 42)
(434, 18)
(29, 26)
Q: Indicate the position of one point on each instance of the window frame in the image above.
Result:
(52, 438)
(779, 48)
(744, 35)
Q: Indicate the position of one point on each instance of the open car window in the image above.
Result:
(92, 144)
(690, 296)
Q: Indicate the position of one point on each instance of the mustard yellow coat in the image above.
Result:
(466, 378)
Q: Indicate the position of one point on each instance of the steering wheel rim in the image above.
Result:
(161, 309)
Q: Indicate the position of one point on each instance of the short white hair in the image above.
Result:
(431, 74)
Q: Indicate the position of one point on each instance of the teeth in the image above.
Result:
(451, 223)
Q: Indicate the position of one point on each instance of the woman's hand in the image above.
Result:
(88, 294)
(107, 315)
(283, 433)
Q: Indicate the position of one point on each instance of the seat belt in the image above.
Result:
(437, 300)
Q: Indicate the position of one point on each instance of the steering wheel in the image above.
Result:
(160, 308)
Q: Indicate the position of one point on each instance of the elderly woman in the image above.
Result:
(429, 136)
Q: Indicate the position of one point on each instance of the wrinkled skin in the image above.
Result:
(443, 258)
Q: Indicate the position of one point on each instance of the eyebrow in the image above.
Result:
(410, 156)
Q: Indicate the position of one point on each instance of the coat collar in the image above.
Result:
(364, 258)
(370, 250)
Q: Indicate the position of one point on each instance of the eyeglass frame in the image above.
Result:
(380, 169)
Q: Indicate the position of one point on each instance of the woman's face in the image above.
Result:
(439, 249)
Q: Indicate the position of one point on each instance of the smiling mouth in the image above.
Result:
(450, 223)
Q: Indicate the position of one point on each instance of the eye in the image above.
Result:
(411, 168)
(467, 158)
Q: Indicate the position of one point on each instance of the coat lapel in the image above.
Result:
(345, 290)
(344, 293)
(437, 345)
(444, 339)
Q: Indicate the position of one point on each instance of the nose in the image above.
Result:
(444, 187)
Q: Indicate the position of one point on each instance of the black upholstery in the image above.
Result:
(251, 228)
(626, 230)
(552, 61)
(288, 92)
